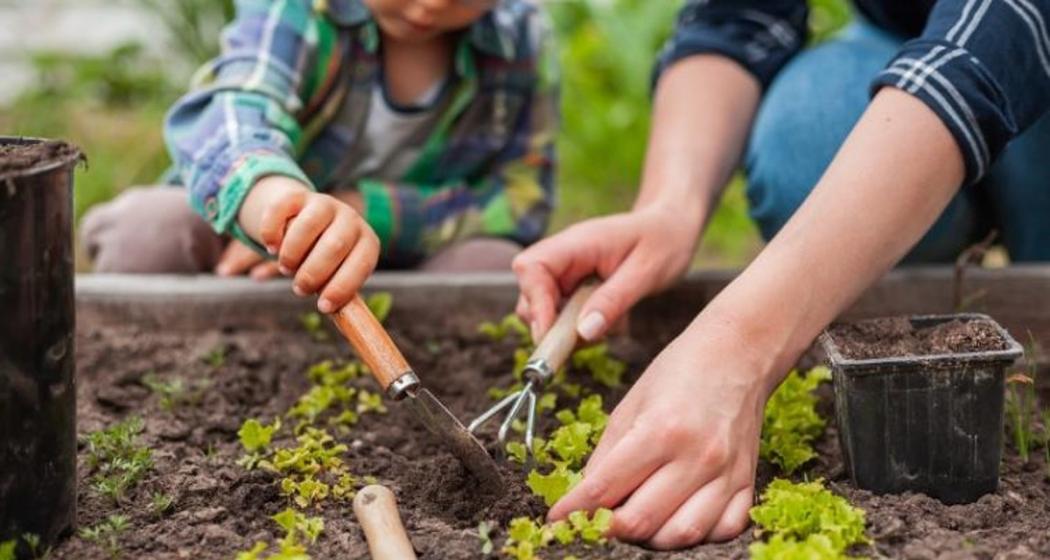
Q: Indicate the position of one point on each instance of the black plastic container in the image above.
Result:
(930, 424)
(37, 390)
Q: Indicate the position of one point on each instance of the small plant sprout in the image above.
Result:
(298, 530)
(313, 324)
(176, 391)
(107, 534)
(380, 304)
(255, 438)
(216, 357)
(791, 421)
(116, 460)
(161, 503)
(603, 368)
(7, 549)
(526, 537)
(564, 454)
(485, 536)
(1022, 403)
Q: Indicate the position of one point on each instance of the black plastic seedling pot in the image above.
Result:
(37, 391)
(930, 424)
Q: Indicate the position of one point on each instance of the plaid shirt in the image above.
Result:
(290, 96)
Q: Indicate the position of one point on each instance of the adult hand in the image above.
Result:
(321, 241)
(677, 460)
(238, 259)
(635, 253)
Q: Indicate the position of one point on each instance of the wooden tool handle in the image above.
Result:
(559, 341)
(376, 511)
(371, 341)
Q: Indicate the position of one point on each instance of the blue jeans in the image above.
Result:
(810, 109)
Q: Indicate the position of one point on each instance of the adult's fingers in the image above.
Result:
(540, 293)
(351, 274)
(633, 459)
(301, 235)
(327, 254)
(275, 218)
(611, 300)
(694, 519)
(236, 259)
(735, 518)
(655, 501)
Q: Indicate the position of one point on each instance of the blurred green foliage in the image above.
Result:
(112, 105)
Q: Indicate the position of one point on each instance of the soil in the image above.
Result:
(21, 157)
(221, 508)
(897, 336)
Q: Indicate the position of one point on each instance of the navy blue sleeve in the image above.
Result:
(984, 67)
(761, 35)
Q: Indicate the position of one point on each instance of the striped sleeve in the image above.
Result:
(760, 35)
(983, 66)
(239, 123)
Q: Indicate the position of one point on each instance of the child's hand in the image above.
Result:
(322, 242)
(238, 259)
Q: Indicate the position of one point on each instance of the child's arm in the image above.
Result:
(240, 124)
(513, 199)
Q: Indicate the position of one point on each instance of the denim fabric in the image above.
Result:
(813, 104)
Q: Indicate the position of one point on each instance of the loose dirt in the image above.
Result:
(897, 336)
(221, 508)
(22, 157)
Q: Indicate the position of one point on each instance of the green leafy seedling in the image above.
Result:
(485, 536)
(115, 458)
(380, 304)
(161, 503)
(603, 368)
(791, 423)
(107, 534)
(216, 357)
(797, 512)
(313, 324)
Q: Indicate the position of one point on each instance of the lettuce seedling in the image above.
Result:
(552, 486)
(813, 547)
(255, 437)
(798, 511)
(313, 324)
(603, 368)
(526, 537)
(791, 422)
(380, 304)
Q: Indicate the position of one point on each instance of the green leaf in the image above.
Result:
(551, 487)
(256, 437)
(485, 535)
(517, 452)
(814, 547)
(603, 368)
(380, 303)
(253, 553)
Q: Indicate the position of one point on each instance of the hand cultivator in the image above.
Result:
(549, 356)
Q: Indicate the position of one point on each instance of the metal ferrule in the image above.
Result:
(402, 386)
(538, 371)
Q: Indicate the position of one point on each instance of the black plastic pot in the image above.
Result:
(930, 424)
(37, 390)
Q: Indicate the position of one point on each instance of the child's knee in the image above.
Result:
(149, 230)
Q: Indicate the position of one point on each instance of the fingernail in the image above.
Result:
(222, 270)
(325, 305)
(284, 270)
(591, 326)
(271, 249)
(298, 291)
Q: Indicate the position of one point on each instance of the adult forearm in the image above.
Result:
(894, 175)
(702, 114)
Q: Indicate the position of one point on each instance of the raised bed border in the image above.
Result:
(1018, 297)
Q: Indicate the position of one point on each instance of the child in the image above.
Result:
(429, 124)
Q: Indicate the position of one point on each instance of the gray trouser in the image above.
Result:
(153, 230)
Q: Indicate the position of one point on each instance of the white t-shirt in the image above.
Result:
(393, 137)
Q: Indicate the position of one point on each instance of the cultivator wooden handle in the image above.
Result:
(376, 510)
(558, 343)
(372, 343)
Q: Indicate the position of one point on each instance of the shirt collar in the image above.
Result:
(496, 33)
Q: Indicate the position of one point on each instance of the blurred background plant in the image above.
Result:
(112, 103)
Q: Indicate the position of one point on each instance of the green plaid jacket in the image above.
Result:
(290, 95)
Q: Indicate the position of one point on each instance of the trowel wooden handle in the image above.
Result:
(376, 511)
(371, 341)
(559, 341)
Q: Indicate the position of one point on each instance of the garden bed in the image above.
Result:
(238, 370)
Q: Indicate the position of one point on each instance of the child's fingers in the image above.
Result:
(351, 274)
(275, 219)
(328, 253)
(302, 233)
(265, 271)
(236, 259)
